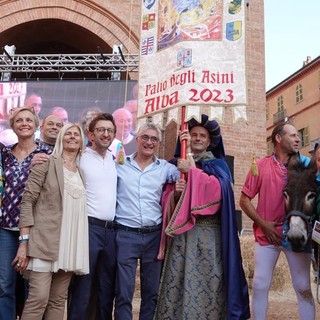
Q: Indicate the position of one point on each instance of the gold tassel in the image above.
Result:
(254, 167)
(120, 156)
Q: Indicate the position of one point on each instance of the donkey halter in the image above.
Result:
(307, 219)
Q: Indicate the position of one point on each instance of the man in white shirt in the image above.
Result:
(98, 169)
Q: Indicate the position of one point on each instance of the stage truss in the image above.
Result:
(32, 64)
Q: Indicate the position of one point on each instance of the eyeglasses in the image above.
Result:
(102, 130)
(146, 138)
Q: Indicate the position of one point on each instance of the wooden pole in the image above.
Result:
(184, 126)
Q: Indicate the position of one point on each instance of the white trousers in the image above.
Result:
(265, 259)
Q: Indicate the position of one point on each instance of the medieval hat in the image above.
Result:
(216, 143)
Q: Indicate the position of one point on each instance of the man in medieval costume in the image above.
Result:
(203, 277)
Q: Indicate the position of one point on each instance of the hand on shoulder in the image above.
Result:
(39, 158)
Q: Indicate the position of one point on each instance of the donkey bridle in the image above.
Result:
(307, 219)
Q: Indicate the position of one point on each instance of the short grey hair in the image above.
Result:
(151, 126)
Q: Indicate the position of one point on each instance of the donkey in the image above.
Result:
(300, 202)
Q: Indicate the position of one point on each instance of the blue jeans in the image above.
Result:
(8, 249)
(131, 247)
(102, 258)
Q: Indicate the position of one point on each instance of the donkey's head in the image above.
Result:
(300, 196)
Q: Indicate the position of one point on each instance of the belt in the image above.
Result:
(102, 223)
(138, 230)
(208, 220)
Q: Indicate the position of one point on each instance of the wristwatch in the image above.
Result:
(24, 237)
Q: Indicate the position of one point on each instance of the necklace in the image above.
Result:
(282, 168)
(70, 164)
(69, 161)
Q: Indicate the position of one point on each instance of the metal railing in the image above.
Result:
(279, 116)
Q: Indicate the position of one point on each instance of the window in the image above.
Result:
(267, 111)
(281, 113)
(299, 95)
(280, 103)
(304, 136)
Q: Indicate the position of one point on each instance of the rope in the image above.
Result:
(249, 46)
(120, 155)
(129, 39)
(127, 71)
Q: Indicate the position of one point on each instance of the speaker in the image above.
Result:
(230, 163)
(239, 220)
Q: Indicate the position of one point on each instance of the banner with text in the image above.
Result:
(192, 52)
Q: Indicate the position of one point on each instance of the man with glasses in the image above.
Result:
(139, 222)
(98, 169)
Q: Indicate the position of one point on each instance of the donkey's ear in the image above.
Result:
(313, 161)
(294, 162)
(314, 153)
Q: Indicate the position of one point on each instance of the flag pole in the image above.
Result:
(183, 151)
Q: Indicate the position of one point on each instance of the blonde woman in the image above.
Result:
(54, 227)
(16, 163)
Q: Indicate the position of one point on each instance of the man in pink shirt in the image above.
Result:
(268, 218)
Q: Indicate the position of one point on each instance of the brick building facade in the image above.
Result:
(296, 99)
(59, 26)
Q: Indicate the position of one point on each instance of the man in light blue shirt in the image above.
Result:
(138, 223)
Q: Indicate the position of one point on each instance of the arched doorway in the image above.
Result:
(73, 27)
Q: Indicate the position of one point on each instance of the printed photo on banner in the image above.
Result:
(189, 20)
